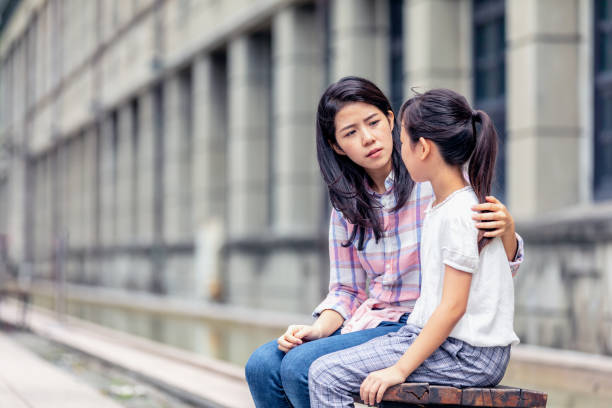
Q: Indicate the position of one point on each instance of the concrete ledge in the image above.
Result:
(581, 224)
(566, 359)
(166, 305)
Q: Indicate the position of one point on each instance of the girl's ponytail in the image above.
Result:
(482, 163)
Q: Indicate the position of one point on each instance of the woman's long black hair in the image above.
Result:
(446, 118)
(346, 180)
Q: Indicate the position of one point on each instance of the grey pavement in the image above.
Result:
(27, 381)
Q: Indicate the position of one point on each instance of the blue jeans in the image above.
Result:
(278, 379)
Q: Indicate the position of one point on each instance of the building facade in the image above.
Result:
(168, 145)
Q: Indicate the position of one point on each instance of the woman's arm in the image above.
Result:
(328, 322)
(347, 290)
(450, 310)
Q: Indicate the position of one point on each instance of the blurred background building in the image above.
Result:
(167, 146)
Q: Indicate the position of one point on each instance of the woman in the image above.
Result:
(374, 235)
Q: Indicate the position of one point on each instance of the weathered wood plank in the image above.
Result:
(409, 395)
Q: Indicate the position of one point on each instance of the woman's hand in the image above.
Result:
(296, 334)
(496, 221)
(374, 386)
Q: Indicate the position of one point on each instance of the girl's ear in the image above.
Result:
(391, 118)
(424, 148)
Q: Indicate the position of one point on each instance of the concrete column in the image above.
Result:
(107, 190)
(15, 219)
(249, 102)
(88, 217)
(538, 32)
(48, 217)
(437, 45)
(210, 136)
(146, 172)
(178, 227)
(145, 156)
(360, 40)
(297, 81)
(124, 194)
(74, 177)
(177, 182)
(38, 234)
(124, 176)
(209, 180)
(298, 84)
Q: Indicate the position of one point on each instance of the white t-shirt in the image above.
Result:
(450, 238)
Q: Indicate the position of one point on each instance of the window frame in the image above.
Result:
(602, 86)
(484, 12)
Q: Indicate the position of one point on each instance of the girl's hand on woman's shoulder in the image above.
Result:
(297, 334)
(494, 218)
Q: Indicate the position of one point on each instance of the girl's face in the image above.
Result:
(412, 156)
(363, 133)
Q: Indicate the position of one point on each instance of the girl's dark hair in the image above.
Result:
(446, 118)
(346, 180)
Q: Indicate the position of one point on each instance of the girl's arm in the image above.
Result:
(450, 310)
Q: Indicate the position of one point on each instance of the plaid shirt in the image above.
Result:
(385, 278)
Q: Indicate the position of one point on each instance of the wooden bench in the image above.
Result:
(424, 395)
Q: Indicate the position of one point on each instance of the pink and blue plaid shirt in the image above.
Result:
(383, 281)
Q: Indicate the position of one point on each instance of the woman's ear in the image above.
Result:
(337, 149)
(391, 118)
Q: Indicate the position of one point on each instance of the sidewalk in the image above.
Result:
(27, 381)
(199, 380)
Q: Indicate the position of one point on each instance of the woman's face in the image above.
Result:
(363, 133)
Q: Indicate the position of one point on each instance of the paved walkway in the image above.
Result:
(200, 380)
(27, 381)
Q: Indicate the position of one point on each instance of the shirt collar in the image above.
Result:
(389, 183)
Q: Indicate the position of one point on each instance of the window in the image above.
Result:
(489, 61)
(396, 51)
(603, 101)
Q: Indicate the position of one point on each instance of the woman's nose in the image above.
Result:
(367, 137)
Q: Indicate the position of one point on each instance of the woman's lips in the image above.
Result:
(375, 152)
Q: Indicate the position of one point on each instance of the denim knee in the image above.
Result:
(262, 363)
(294, 368)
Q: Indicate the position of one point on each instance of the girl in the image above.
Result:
(374, 234)
(460, 330)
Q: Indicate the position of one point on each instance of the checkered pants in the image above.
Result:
(334, 377)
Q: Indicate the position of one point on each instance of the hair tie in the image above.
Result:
(474, 115)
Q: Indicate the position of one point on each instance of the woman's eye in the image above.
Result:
(374, 122)
(352, 132)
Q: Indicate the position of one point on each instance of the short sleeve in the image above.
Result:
(459, 242)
